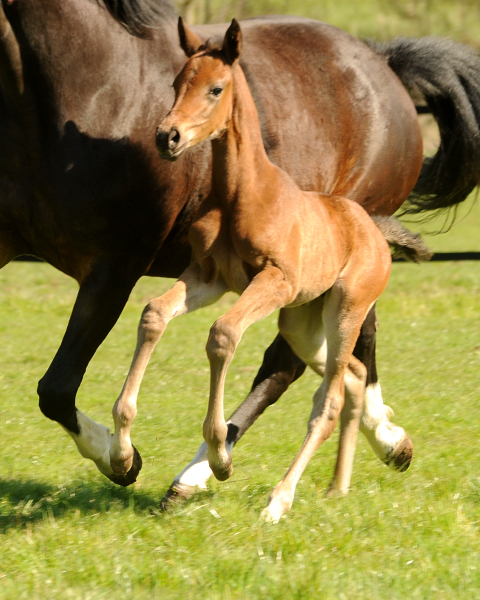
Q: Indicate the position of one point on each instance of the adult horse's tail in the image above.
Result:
(447, 75)
(403, 243)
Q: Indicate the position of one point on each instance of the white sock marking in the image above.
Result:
(93, 442)
(198, 472)
(382, 435)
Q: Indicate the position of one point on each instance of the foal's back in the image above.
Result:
(315, 239)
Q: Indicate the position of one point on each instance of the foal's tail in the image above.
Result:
(447, 75)
(403, 243)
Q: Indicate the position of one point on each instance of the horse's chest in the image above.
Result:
(211, 240)
(205, 233)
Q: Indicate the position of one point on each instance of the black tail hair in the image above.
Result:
(403, 243)
(447, 75)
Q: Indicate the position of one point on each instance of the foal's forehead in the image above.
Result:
(205, 67)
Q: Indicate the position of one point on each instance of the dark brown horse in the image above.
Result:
(84, 84)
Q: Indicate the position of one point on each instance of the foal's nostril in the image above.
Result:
(168, 142)
(161, 138)
(173, 139)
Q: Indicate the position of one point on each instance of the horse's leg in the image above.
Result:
(389, 441)
(266, 292)
(355, 377)
(341, 326)
(189, 293)
(280, 368)
(99, 303)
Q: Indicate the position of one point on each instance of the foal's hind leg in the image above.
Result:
(189, 293)
(355, 377)
(341, 331)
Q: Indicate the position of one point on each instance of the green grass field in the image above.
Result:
(67, 532)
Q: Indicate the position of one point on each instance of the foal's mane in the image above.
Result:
(137, 16)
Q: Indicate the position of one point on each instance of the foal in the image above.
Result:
(318, 258)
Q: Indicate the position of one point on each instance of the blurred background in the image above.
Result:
(380, 19)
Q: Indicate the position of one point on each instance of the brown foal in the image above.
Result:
(320, 259)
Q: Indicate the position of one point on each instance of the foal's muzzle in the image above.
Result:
(169, 143)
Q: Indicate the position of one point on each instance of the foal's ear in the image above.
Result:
(232, 42)
(189, 41)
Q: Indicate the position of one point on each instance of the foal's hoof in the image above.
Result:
(278, 504)
(131, 476)
(222, 466)
(176, 494)
(222, 473)
(334, 492)
(402, 456)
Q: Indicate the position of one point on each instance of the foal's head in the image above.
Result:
(203, 92)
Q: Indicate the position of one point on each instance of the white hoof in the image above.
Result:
(275, 509)
(389, 441)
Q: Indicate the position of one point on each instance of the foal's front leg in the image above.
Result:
(267, 292)
(189, 293)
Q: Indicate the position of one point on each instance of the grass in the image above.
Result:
(67, 532)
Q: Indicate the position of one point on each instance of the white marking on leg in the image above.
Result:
(197, 473)
(383, 436)
(93, 442)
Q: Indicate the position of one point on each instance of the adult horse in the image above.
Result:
(84, 84)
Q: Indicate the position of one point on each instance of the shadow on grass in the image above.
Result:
(30, 501)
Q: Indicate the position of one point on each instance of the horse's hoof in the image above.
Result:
(122, 467)
(176, 494)
(221, 466)
(131, 476)
(275, 509)
(334, 492)
(402, 456)
(223, 474)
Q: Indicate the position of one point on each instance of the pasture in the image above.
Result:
(67, 532)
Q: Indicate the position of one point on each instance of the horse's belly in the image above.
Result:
(232, 270)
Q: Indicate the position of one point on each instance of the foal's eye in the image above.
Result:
(216, 91)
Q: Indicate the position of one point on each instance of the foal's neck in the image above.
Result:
(239, 158)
